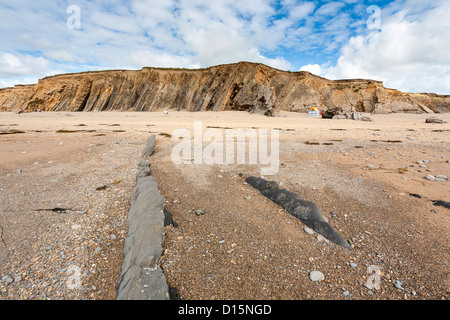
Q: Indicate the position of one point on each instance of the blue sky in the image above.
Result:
(401, 42)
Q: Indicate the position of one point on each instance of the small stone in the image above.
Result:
(353, 265)
(308, 230)
(346, 293)
(221, 241)
(398, 285)
(316, 276)
(430, 177)
(200, 212)
(247, 198)
(440, 176)
(8, 279)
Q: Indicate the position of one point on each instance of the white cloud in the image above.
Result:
(410, 53)
(330, 9)
(158, 59)
(21, 65)
(313, 68)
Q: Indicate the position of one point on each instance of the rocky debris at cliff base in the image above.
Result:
(358, 116)
(435, 120)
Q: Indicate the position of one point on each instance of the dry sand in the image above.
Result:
(242, 248)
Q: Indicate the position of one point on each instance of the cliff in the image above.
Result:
(243, 86)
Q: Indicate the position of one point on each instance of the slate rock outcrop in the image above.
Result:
(141, 277)
(306, 211)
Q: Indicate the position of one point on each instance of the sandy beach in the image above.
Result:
(66, 181)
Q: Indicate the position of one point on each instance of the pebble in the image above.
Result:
(8, 279)
(398, 284)
(308, 230)
(430, 177)
(320, 238)
(76, 227)
(200, 212)
(316, 276)
(353, 265)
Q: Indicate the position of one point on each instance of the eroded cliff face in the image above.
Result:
(243, 86)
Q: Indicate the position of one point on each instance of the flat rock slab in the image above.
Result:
(302, 209)
(149, 147)
(141, 277)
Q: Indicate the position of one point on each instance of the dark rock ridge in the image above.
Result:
(306, 211)
(141, 277)
(243, 86)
